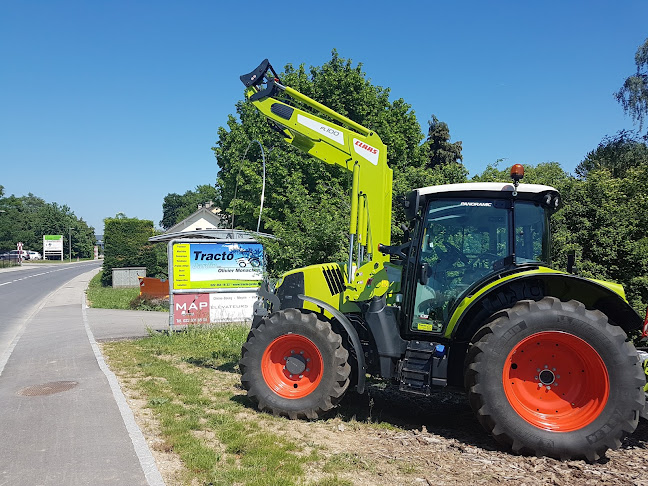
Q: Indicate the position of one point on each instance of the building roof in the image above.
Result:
(203, 219)
(217, 234)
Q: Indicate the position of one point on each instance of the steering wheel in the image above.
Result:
(451, 252)
(486, 257)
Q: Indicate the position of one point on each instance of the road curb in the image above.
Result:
(144, 454)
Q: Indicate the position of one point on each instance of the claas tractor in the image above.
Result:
(469, 300)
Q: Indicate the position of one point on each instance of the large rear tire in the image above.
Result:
(294, 365)
(552, 378)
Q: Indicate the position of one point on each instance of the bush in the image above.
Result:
(127, 245)
(145, 303)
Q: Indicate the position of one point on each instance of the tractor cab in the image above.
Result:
(467, 235)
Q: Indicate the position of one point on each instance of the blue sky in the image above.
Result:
(109, 106)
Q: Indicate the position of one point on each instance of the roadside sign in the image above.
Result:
(53, 246)
(217, 265)
(213, 281)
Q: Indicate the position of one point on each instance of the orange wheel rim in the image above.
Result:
(292, 366)
(556, 381)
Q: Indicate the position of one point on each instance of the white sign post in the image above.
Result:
(53, 246)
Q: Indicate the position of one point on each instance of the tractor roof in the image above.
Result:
(491, 189)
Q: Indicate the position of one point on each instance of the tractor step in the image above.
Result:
(425, 365)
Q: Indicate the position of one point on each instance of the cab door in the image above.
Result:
(461, 241)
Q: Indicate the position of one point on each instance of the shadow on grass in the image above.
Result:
(639, 439)
(215, 363)
(445, 413)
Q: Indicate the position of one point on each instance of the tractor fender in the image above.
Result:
(535, 285)
(350, 330)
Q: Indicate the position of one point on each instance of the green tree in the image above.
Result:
(633, 95)
(307, 201)
(28, 218)
(617, 154)
(607, 220)
(546, 173)
(440, 150)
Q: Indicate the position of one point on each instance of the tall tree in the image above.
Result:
(633, 95)
(617, 154)
(127, 245)
(441, 150)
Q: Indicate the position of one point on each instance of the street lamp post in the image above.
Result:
(70, 243)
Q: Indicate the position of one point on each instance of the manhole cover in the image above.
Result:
(47, 388)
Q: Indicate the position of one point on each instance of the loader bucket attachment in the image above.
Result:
(259, 77)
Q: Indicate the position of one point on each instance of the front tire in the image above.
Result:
(293, 364)
(552, 378)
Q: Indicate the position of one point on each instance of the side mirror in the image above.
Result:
(411, 205)
(424, 271)
(571, 261)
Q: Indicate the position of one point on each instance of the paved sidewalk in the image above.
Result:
(110, 325)
(64, 420)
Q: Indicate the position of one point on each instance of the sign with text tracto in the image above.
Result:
(217, 265)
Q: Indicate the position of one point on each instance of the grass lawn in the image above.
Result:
(190, 382)
(109, 298)
(128, 299)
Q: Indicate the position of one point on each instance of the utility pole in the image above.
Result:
(70, 243)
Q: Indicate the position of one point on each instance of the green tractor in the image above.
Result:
(468, 301)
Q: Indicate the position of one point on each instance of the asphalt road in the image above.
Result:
(63, 419)
(23, 288)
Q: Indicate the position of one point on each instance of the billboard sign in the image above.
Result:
(230, 265)
(53, 242)
(53, 246)
(215, 307)
(213, 280)
(190, 309)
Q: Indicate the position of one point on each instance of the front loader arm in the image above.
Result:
(340, 142)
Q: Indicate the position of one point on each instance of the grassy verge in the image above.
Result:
(190, 382)
(127, 299)
(65, 261)
(108, 298)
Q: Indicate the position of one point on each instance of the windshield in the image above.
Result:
(480, 229)
(464, 241)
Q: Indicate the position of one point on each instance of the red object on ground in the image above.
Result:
(154, 287)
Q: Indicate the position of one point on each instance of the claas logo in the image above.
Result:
(366, 147)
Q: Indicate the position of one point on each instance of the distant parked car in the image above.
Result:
(34, 255)
(14, 255)
(23, 254)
